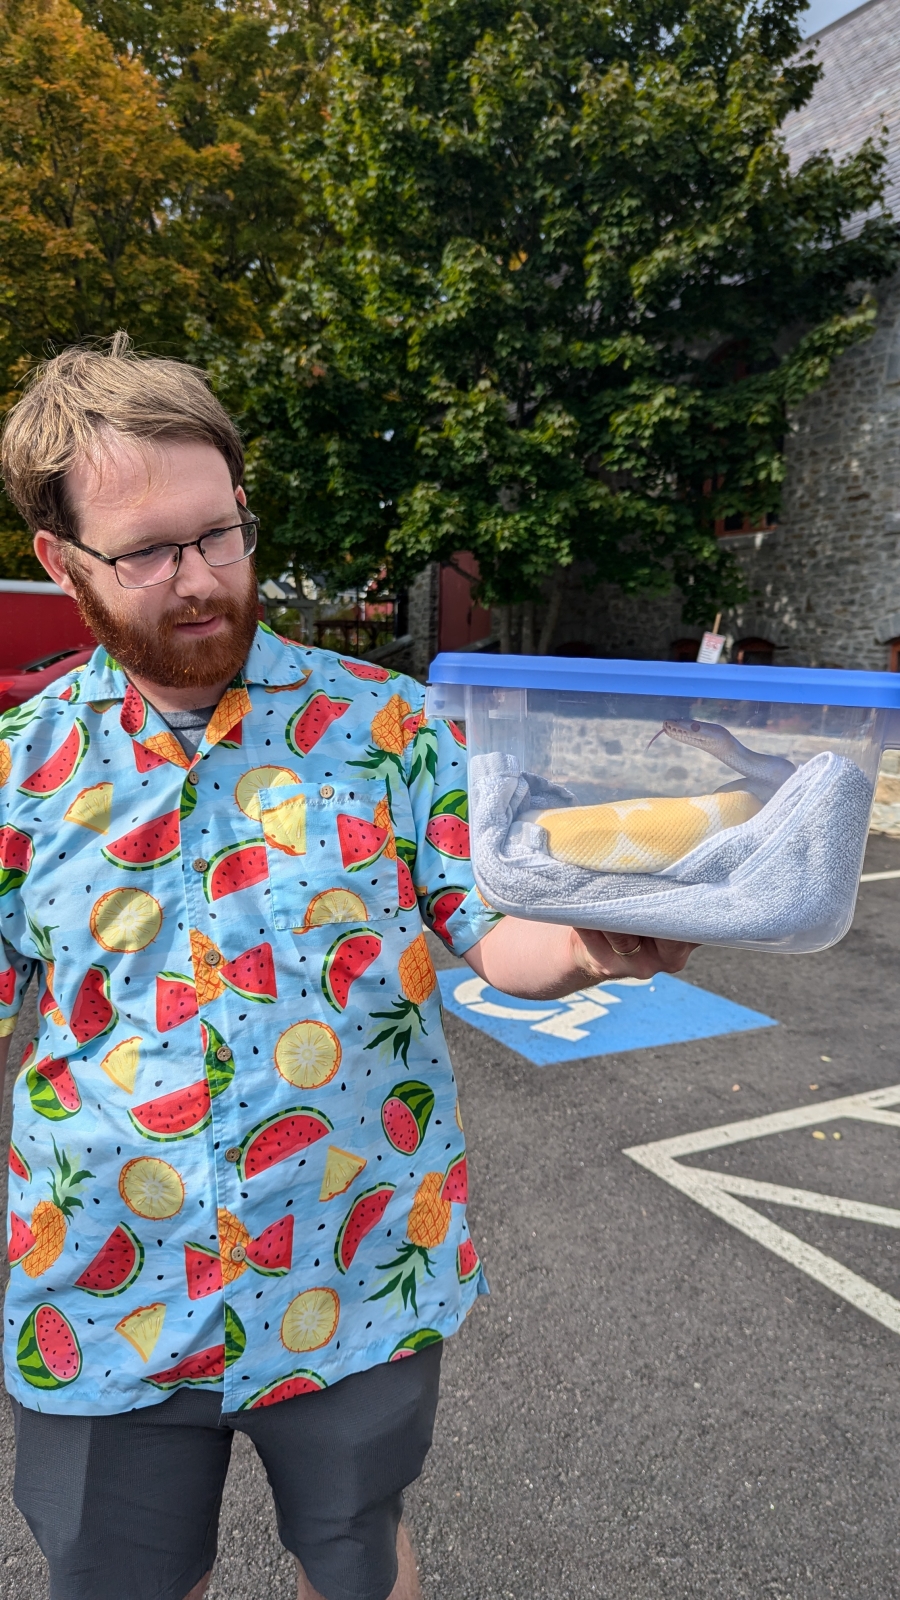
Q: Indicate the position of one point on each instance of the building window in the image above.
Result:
(753, 652)
(684, 649)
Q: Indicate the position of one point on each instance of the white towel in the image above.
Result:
(785, 880)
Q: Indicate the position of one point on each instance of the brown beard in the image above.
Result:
(155, 653)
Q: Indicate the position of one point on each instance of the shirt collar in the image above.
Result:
(272, 662)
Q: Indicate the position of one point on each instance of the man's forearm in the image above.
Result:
(541, 961)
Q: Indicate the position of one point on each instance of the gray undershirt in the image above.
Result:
(189, 727)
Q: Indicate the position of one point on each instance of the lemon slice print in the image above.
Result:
(246, 793)
(308, 1054)
(92, 808)
(121, 1063)
(310, 1320)
(142, 1328)
(341, 1167)
(126, 919)
(284, 825)
(151, 1188)
(333, 905)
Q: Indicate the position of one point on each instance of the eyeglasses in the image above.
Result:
(141, 569)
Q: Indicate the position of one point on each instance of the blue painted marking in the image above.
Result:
(628, 1014)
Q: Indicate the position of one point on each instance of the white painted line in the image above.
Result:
(830, 1205)
(718, 1191)
(876, 877)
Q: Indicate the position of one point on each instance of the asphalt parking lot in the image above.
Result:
(653, 1405)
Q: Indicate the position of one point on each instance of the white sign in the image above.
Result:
(711, 647)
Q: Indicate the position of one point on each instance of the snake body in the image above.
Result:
(646, 835)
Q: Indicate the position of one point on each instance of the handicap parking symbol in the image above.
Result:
(620, 1014)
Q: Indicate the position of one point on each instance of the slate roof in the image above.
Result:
(859, 92)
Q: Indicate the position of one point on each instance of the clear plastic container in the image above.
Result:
(720, 805)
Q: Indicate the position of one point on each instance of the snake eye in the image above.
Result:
(696, 726)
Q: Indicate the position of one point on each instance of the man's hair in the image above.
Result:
(81, 398)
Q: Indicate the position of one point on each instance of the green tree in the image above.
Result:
(558, 294)
(94, 232)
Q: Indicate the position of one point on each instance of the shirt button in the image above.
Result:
(233, 1153)
(212, 959)
(199, 864)
(223, 1054)
(238, 1253)
(327, 791)
(193, 777)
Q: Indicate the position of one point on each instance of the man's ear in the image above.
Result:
(240, 496)
(49, 552)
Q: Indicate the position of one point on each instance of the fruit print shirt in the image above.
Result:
(237, 1159)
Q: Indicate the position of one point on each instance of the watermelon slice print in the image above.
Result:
(18, 1166)
(217, 1059)
(145, 760)
(300, 1382)
(237, 866)
(21, 1239)
(414, 1342)
(153, 844)
(448, 827)
(279, 1138)
(365, 1214)
(306, 726)
(271, 1252)
(367, 671)
(206, 1366)
(406, 1113)
(176, 1000)
(48, 1353)
(361, 842)
(177, 1115)
(7, 986)
(440, 906)
(455, 1187)
(348, 958)
(61, 767)
(16, 855)
(203, 1270)
(407, 898)
(116, 1266)
(93, 1013)
(52, 1090)
(133, 717)
(467, 1262)
(252, 975)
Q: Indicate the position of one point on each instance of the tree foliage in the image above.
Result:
(563, 291)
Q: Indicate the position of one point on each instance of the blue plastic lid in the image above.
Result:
(685, 680)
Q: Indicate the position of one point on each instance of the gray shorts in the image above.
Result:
(127, 1507)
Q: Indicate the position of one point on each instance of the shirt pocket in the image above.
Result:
(331, 853)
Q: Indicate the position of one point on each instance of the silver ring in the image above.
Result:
(632, 952)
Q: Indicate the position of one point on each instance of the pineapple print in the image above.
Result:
(426, 1228)
(44, 946)
(418, 980)
(231, 1233)
(383, 819)
(206, 978)
(395, 727)
(50, 1218)
(12, 724)
(390, 730)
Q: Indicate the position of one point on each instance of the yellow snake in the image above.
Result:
(646, 835)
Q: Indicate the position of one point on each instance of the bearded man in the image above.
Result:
(237, 1189)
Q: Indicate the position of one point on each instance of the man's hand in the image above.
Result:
(624, 955)
(540, 961)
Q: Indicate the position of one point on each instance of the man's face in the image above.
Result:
(192, 631)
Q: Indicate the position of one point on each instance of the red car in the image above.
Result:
(19, 686)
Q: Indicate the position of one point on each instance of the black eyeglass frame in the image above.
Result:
(191, 544)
